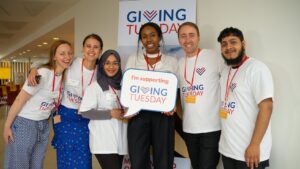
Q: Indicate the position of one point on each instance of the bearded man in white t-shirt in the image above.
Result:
(199, 74)
(246, 106)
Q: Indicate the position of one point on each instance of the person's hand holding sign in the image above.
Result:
(148, 90)
(117, 113)
(171, 113)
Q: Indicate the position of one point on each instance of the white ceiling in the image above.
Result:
(20, 18)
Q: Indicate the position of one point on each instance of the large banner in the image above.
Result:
(169, 14)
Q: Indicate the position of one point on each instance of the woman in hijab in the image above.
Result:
(101, 104)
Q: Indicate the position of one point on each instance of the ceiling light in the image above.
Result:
(55, 38)
(45, 43)
(14, 60)
(28, 50)
(39, 45)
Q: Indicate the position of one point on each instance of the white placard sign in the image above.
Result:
(148, 90)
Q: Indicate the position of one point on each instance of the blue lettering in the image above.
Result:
(163, 15)
(164, 92)
(134, 89)
(180, 14)
(44, 104)
(231, 105)
(155, 91)
(169, 15)
(191, 88)
(134, 16)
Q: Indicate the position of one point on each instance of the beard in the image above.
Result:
(237, 60)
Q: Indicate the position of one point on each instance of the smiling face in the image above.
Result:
(189, 40)
(91, 49)
(150, 39)
(63, 57)
(111, 66)
(232, 49)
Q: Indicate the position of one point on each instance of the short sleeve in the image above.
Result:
(38, 63)
(130, 62)
(178, 73)
(262, 83)
(221, 63)
(44, 72)
(175, 65)
(90, 98)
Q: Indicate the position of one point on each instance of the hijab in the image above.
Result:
(105, 81)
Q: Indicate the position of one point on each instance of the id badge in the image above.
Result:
(56, 119)
(190, 99)
(124, 120)
(223, 113)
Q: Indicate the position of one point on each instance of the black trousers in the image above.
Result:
(110, 161)
(230, 163)
(151, 129)
(203, 149)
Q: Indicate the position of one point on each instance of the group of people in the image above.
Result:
(227, 105)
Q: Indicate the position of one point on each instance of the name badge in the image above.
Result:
(56, 119)
(72, 82)
(190, 99)
(223, 113)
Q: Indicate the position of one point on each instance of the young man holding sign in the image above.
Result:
(199, 73)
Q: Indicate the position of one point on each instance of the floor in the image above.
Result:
(50, 160)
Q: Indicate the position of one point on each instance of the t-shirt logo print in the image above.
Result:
(232, 86)
(200, 71)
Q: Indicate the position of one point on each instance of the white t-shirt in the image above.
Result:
(166, 64)
(201, 101)
(40, 105)
(252, 84)
(106, 136)
(73, 83)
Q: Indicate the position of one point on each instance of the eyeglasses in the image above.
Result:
(112, 64)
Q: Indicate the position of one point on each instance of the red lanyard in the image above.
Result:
(193, 76)
(228, 85)
(118, 99)
(82, 91)
(60, 90)
(156, 60)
